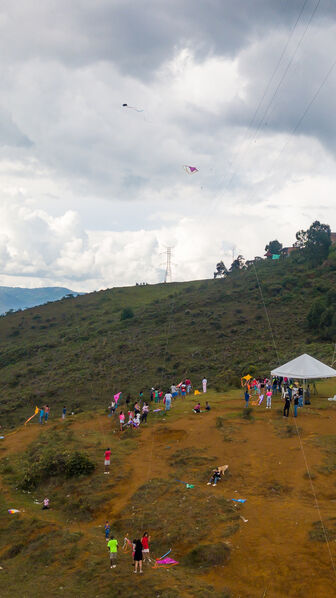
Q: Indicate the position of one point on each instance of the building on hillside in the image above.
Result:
(333, 238)
(286, 251)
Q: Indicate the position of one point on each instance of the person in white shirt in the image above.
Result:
(204, 384)
(168, 399)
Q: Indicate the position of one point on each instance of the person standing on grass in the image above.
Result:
(112, 545)
(46, 413)
(168, 400)
(145, 547)
(64, 412)
(138, 556)
(247, 398)
(287, 405)
(121, 420)
(296, 404)
(204, 384)
(107, 460)
(188, 385)
(107, 530)
(41, 415)
(269, 399)
(144, 414)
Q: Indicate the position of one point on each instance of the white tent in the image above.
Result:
(304, 367)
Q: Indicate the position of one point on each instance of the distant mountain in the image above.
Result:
(20, 298)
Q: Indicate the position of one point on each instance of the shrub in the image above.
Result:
(207, 555)
(50, 464)
(126, 313)
(247, 413)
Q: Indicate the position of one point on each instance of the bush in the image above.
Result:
(207, 555)
(126, 313)
(50, 464)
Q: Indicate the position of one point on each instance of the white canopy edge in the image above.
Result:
(304, 367)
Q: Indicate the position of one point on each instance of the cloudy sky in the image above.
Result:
(92, 193)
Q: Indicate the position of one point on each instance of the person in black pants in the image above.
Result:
(287, 405)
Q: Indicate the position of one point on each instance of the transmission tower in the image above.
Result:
(168, 273)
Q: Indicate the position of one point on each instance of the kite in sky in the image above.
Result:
(190, 169)
(132, 108)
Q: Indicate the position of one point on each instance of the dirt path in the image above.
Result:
(271, 554)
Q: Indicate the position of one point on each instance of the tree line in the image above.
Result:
(312, 246)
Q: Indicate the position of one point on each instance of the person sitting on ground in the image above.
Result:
(207, 406)
(45, 504)
(216, 476)
(197, 408)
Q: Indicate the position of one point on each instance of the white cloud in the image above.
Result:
(92, 193)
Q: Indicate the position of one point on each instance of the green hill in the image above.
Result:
(79, 351)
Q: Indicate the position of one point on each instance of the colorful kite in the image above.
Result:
(166, 562)
(190, 169)
(241, 500)
(133, 108)
(12, 511)
(117, 397)
(29, 418)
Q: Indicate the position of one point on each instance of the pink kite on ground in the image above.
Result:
(167, 562)
(190, 169)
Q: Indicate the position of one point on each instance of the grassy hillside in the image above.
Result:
(78, 351)
(272, 545)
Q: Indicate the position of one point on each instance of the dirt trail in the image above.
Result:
(272, 554)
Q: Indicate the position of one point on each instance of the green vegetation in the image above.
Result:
(81, 350)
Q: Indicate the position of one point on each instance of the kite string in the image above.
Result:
(266, 312)
(302, 447)
(315, 498)
(149, 469)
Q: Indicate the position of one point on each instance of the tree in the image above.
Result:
(237, 264)
(273, 248)
(314, 242)
(315, 313)
(221, 270)
(126, 313)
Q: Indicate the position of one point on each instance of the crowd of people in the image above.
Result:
(259, 388)
(133, 414)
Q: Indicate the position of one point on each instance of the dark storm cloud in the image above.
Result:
(139, 36)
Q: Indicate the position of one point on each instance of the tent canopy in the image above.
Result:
(304, 367)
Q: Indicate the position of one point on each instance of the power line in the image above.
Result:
(254, 136)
